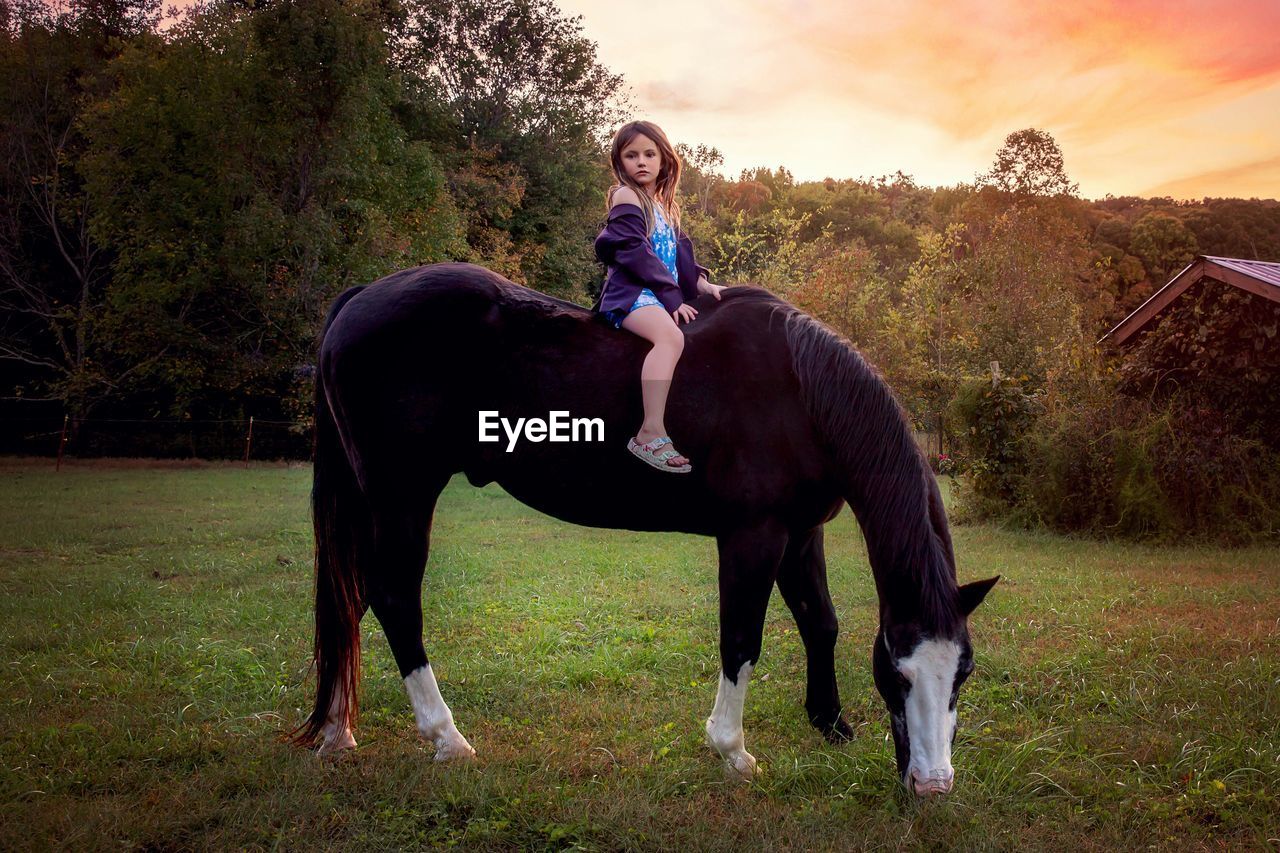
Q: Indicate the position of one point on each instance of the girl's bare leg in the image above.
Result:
(655, 325)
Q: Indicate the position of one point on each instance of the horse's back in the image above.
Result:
(401, 302)
(459, 307)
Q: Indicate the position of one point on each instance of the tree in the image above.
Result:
(701, 173)
(523, 87)
(748, 196)
(1113, 231)
(266, 172)
(1024, 274)
(843, 286)
(1236, 228)
(779, 182)
(54, 270)
(929, 325)
(862, 211)
(510, 67)
(1029, 162)
(762, 250)
(1163, 244)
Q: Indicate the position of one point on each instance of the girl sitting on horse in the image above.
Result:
(652, 274)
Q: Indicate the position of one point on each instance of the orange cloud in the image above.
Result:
(1247, 180)
(973, 68)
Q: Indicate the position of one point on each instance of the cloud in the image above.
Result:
(666, 96)
(1090, 68)
(1246, 180)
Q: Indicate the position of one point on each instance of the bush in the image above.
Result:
(992, 422)
(1088, 468)
(1084, 457)
(945, 464)
(1125, 467)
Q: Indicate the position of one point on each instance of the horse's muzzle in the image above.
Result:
(934, 783)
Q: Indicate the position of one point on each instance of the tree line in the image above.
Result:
(181, 203)
(183, 198)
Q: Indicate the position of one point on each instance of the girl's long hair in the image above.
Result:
(668, 174)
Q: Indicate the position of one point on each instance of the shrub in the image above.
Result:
(1082, 456)
(993, 419)
(1217, 483)
(944, 464)
(1088, 468)
(1130, 468)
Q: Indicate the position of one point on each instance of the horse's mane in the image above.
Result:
(886, 480)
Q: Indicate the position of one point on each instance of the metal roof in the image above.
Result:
(1259, 277)
(1261, 270)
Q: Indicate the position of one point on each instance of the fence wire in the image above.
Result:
(161, 438)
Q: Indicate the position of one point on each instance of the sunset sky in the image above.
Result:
(1145, 97)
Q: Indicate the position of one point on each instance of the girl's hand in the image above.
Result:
(687, 311)
(705, 286)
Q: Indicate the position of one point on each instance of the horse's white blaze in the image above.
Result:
(724, 726)
(435, 720)
(931, 669)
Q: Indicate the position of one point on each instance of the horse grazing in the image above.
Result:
(783, 421)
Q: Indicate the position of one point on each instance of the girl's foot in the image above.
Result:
(660, 454)
(645, 436)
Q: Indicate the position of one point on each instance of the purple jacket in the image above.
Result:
(623, 246)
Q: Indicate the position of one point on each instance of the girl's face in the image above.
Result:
(641, 161)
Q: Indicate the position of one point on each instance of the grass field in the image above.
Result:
(155, 630)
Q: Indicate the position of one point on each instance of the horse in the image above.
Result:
(784, 423)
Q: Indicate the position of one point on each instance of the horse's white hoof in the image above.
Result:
(337, 742)
(740, 767)
(455, 749)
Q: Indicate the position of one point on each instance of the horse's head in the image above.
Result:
(919, 673)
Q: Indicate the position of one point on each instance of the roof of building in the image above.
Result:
(1261, 278)
(1261, 270)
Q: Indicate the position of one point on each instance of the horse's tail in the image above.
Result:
(344, 537)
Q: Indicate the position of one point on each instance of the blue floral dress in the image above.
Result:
(663, 241)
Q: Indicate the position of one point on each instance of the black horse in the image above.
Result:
(782, 419)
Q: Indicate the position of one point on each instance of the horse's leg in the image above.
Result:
(749, 561)
(394, 593)
(802, 580)
(336, 734)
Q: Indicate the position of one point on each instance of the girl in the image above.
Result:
(652, 274)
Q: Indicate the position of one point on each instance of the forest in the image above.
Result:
(183, 197)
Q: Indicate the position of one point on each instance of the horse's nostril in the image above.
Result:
(934, 783)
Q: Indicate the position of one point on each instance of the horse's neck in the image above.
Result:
(898, 560)
(891, 502)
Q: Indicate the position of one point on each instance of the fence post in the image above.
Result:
(248, 440)
(62, 441)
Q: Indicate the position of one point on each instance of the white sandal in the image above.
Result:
(648, 453)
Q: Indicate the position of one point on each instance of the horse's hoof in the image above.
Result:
(455, 756)
(455, 750)
(740, 767)
(837, 732)
(337, 744)
(832, 724)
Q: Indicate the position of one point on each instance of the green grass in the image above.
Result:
(155, 631)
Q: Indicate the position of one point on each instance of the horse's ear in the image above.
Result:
(971, 594)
